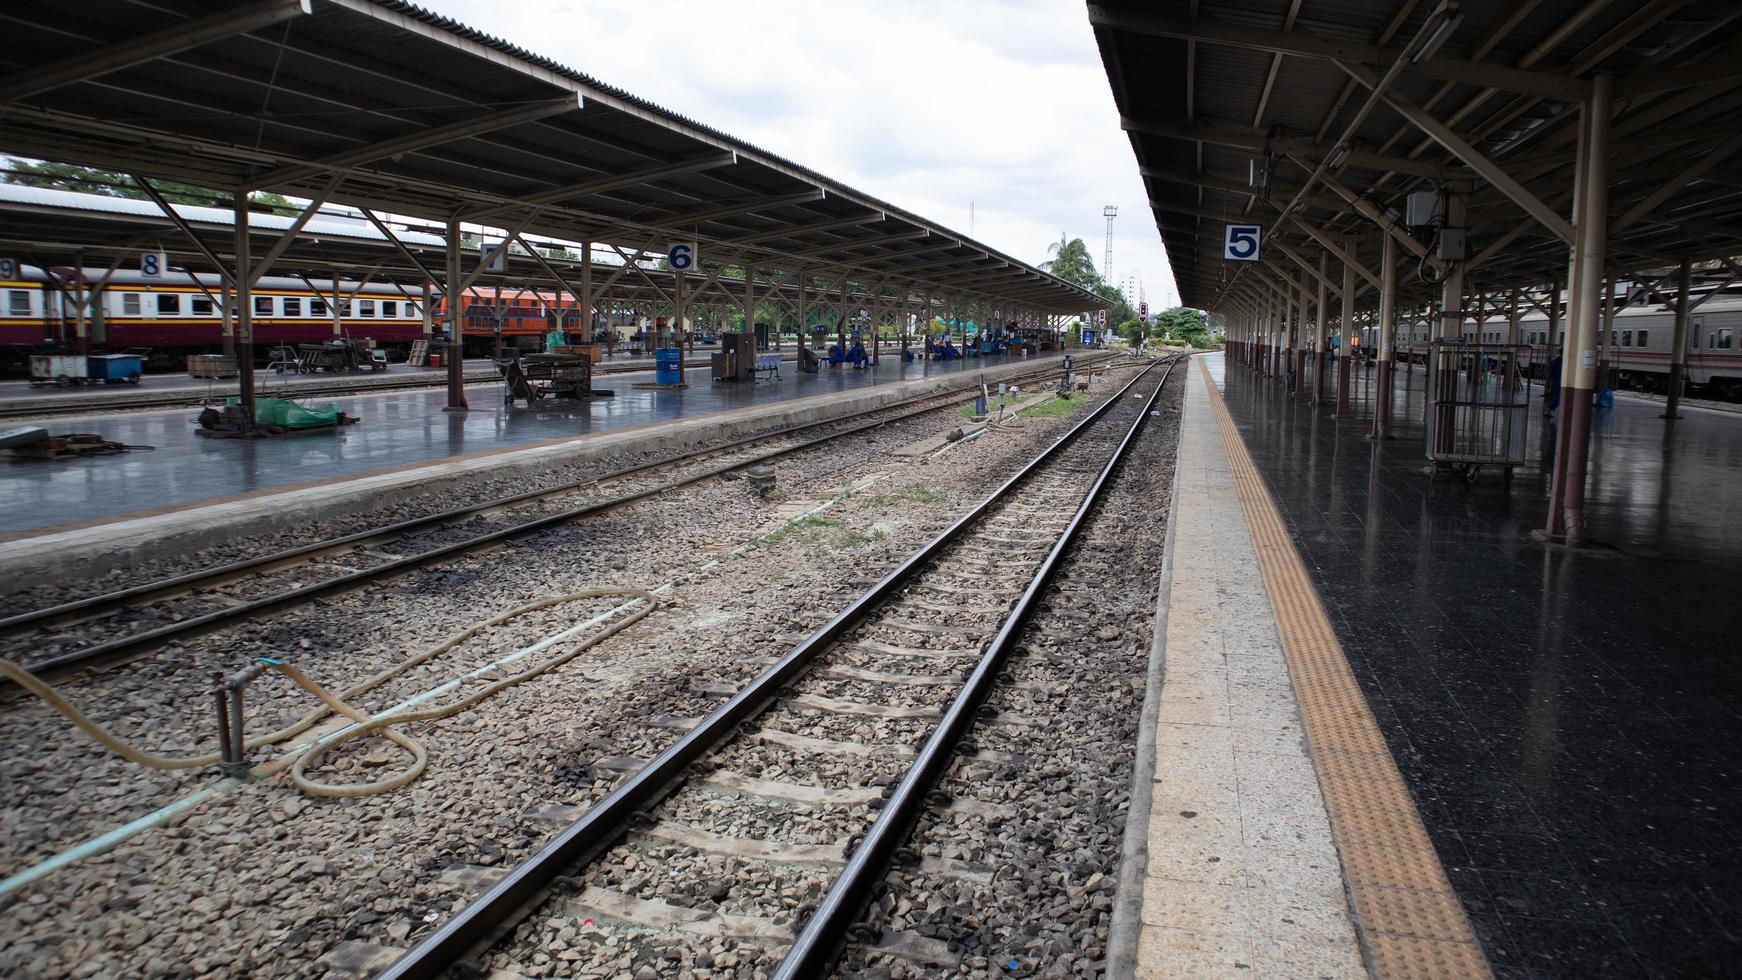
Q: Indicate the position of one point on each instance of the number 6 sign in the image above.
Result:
(1240, 242)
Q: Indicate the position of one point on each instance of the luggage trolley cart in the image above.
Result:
(1478, 411)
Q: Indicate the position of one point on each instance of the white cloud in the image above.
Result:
(927, 105)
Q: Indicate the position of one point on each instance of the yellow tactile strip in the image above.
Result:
(1408, 918)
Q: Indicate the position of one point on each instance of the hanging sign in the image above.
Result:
(681, 257)
(151, 265)
(495, 256)
(1240, 242)
(8, 269)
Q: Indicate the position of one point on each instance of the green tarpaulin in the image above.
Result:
(287, 414)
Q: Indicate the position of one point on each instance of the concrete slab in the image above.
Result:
(634, 420)
(1230, 867)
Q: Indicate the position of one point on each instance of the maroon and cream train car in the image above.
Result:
(174, 317)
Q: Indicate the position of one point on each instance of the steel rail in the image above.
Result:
(601, 825)
(825, 932)
(121, 647)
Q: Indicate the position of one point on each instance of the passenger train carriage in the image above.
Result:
(174, 317)
(1639, 343)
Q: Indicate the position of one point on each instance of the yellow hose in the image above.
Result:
(337, 704)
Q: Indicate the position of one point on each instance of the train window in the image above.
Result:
(168, 304)
(1721, 338)
(412, 311)
(1627, 338)
(1641, 339)
(18, 302)
(344, 307)
(365, 307)
(129, 304)
(389, 308)
(262, 306)
(317, 307)
(292, 306)
(203, 306)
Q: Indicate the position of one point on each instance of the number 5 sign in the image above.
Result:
(1240, 242)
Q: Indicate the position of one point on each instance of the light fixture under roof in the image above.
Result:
(1435, 31)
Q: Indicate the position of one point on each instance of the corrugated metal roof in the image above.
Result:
(1147, 64)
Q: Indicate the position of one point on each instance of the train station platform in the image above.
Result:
(405, 440)
(1560, 720)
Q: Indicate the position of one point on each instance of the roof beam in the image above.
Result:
(158, 44)
(1337, 251)
(741, 207)
(1443, 135)
(411, 142)
(611, 182)
(1257, 142)
(1296, 44)
(868, 242)
(821, 226)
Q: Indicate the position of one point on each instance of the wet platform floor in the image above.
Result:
(1566, 722)
(397, 429)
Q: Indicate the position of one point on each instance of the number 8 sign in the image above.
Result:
(1240, 242)
(151, 265)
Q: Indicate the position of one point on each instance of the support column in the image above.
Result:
(456, 324)
(244, 311)
(1592, 242)
(1387, 314)
(1678, 352)
(1321, 331)
(591, 331)
(1606, 335)
(1512, 318)
(1346, 328)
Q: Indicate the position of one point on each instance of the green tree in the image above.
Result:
(1182, 323)
(1070, 261)
(113, 183)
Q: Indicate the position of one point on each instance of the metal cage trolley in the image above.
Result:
(1478, 411)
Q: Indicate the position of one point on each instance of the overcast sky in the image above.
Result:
(927, 105)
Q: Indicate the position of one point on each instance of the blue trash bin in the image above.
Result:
(668, 366)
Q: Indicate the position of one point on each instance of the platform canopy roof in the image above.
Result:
(1315, 118)
(384, 105)
(55, 228)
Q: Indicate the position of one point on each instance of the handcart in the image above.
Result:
(1478, 411)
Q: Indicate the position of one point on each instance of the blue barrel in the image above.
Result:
(668, 366)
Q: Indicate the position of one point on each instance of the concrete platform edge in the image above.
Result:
(1134, 848)
(92, 550)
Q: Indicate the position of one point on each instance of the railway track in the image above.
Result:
(714, 838)
(142, 618)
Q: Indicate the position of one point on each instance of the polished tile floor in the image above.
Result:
(397, 429)
(1567, 723)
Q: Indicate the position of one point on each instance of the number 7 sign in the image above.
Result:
(1240, 242)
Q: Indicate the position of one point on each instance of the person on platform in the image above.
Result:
(857, 354)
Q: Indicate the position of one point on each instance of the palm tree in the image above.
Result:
(1070, 261)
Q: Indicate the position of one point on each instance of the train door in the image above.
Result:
(1696, 372)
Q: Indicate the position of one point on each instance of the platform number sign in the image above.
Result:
(1240, 242)
(681, 257)
(494, 256)
(8, 269)
(152, 265)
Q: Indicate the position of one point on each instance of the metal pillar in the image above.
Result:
(1321, 331)
(1387, 315)
(1678, 352)
(1346, 327)
(591, 331)
(1512, 318)
(456, 324)
(1592, 241)
(1606, 336)
(244, 312)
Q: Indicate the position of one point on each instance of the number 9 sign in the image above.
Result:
(1240, 242)
(681, 257)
